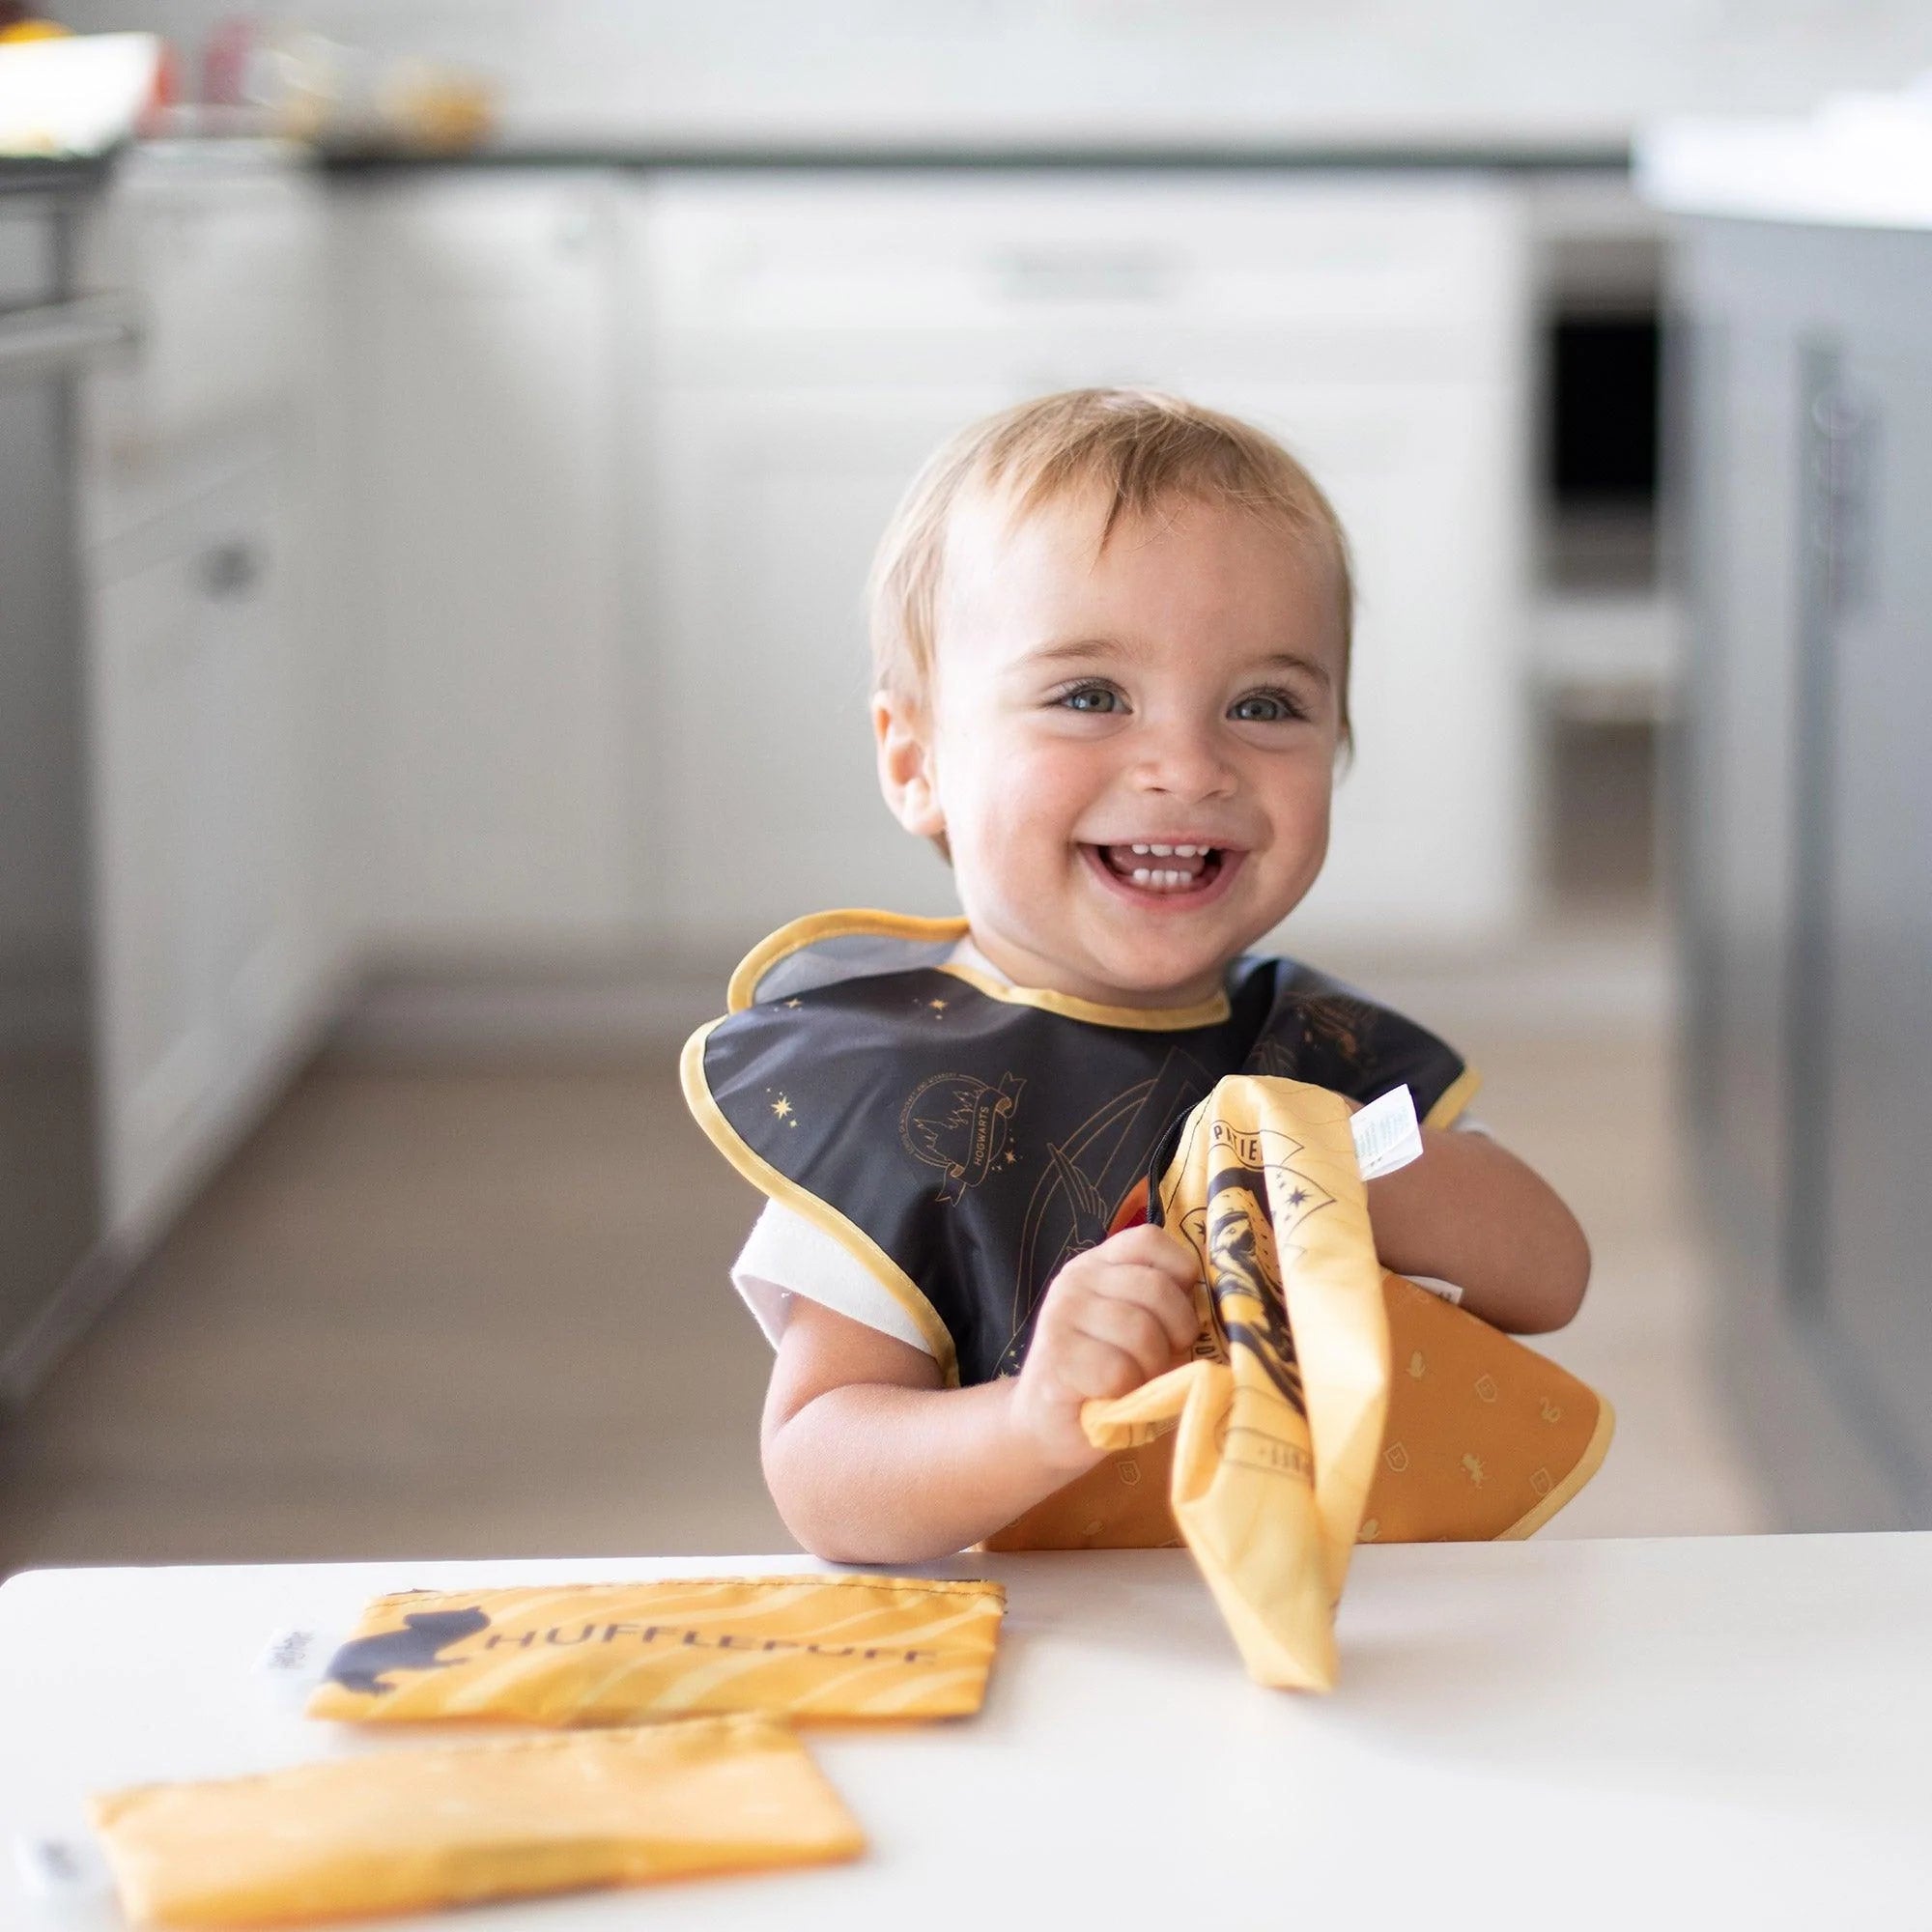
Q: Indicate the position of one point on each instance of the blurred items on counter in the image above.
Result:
(258, 79)
(67, 95)
(17, 25)
(64, 96)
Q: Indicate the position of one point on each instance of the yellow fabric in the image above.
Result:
(1291, 1438)
(402, 1831)
(1486, 1440)
(808, 1647)
(1459, 1389)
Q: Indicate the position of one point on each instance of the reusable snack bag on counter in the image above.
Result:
(1331, 1401)
(408, 1830)
(803, 1647)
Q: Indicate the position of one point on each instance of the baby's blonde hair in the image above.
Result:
(1138, 449)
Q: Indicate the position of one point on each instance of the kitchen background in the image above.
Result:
(442, 657)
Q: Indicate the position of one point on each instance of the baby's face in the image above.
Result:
(1130, 754)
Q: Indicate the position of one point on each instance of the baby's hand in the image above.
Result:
(1113, 1318)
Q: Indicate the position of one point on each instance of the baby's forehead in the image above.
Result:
(1190, 560)
(1081, 528)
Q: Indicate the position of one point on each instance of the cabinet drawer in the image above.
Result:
(490, 235)
(229, 271)
(204, 835)
(807, 264)
(227, 268)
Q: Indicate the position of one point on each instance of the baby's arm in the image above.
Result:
(870, 1460)
(1470, 1212)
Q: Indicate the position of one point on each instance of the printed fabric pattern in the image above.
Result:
(966, 1145)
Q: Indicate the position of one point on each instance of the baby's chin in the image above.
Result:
(1163, 976)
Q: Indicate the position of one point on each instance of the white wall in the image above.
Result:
(1217, 69)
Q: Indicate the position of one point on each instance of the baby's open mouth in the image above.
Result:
(1162, 867)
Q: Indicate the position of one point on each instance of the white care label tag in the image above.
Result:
(59, 1867)
(290, 1665)
(289, 1652)
(1386, 1134)
(67, 1880)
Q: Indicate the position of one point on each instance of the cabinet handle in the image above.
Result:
(62, 338)
(1836, 488)
(1840, 433)
(232, 569)
(1025, 276)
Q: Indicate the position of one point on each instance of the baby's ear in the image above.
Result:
(906, 774)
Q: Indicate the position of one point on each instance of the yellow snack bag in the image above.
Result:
(805, 1647)
(404, 1830)
(1291, 1437)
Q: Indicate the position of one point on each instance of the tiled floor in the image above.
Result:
(469, 1312)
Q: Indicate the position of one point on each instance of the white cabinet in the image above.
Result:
(162, 1033)
(621, 453)
(1431, 818)
(213, 724)
(804, 342)
(498, 814)
(767, 508)
(214, 956)
(225, 256)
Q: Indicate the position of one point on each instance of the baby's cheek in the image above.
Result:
(1030, 808)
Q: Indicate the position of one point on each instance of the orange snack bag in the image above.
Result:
(1332, 1402)
(405, 1830)
(803, 1647)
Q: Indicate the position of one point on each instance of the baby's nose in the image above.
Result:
(1184, 764)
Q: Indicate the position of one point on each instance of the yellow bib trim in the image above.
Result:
(860, 922)
(1587, 1465)
(787, 1193)
(1456, 1097)
(1140, 1019)
(795, 937)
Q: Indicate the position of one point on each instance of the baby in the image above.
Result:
(1111, 633)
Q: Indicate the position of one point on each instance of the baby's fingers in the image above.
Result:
(1142, 1314)
(1168, 1299)
(1149, 1246)
(1089, 1368)
(1130, 1326)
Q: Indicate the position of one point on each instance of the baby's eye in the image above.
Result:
(1098, 698)
(1266, 707)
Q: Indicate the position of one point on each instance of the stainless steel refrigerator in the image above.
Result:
(1805, 459)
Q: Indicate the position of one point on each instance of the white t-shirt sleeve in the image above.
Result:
(786, 1255)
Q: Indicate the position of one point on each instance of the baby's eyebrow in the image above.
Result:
(1075, 650)
(1089, 650)
(1294, 661)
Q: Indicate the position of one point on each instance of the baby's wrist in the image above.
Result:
(1048, 1434)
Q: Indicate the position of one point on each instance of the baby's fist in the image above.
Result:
(1113, 1318)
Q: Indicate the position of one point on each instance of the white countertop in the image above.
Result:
(1730, 1731)
(1862, 160)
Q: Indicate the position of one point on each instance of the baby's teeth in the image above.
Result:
(1188, 851)
(1142, 850)
(1160, 851)
(1162, 878)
